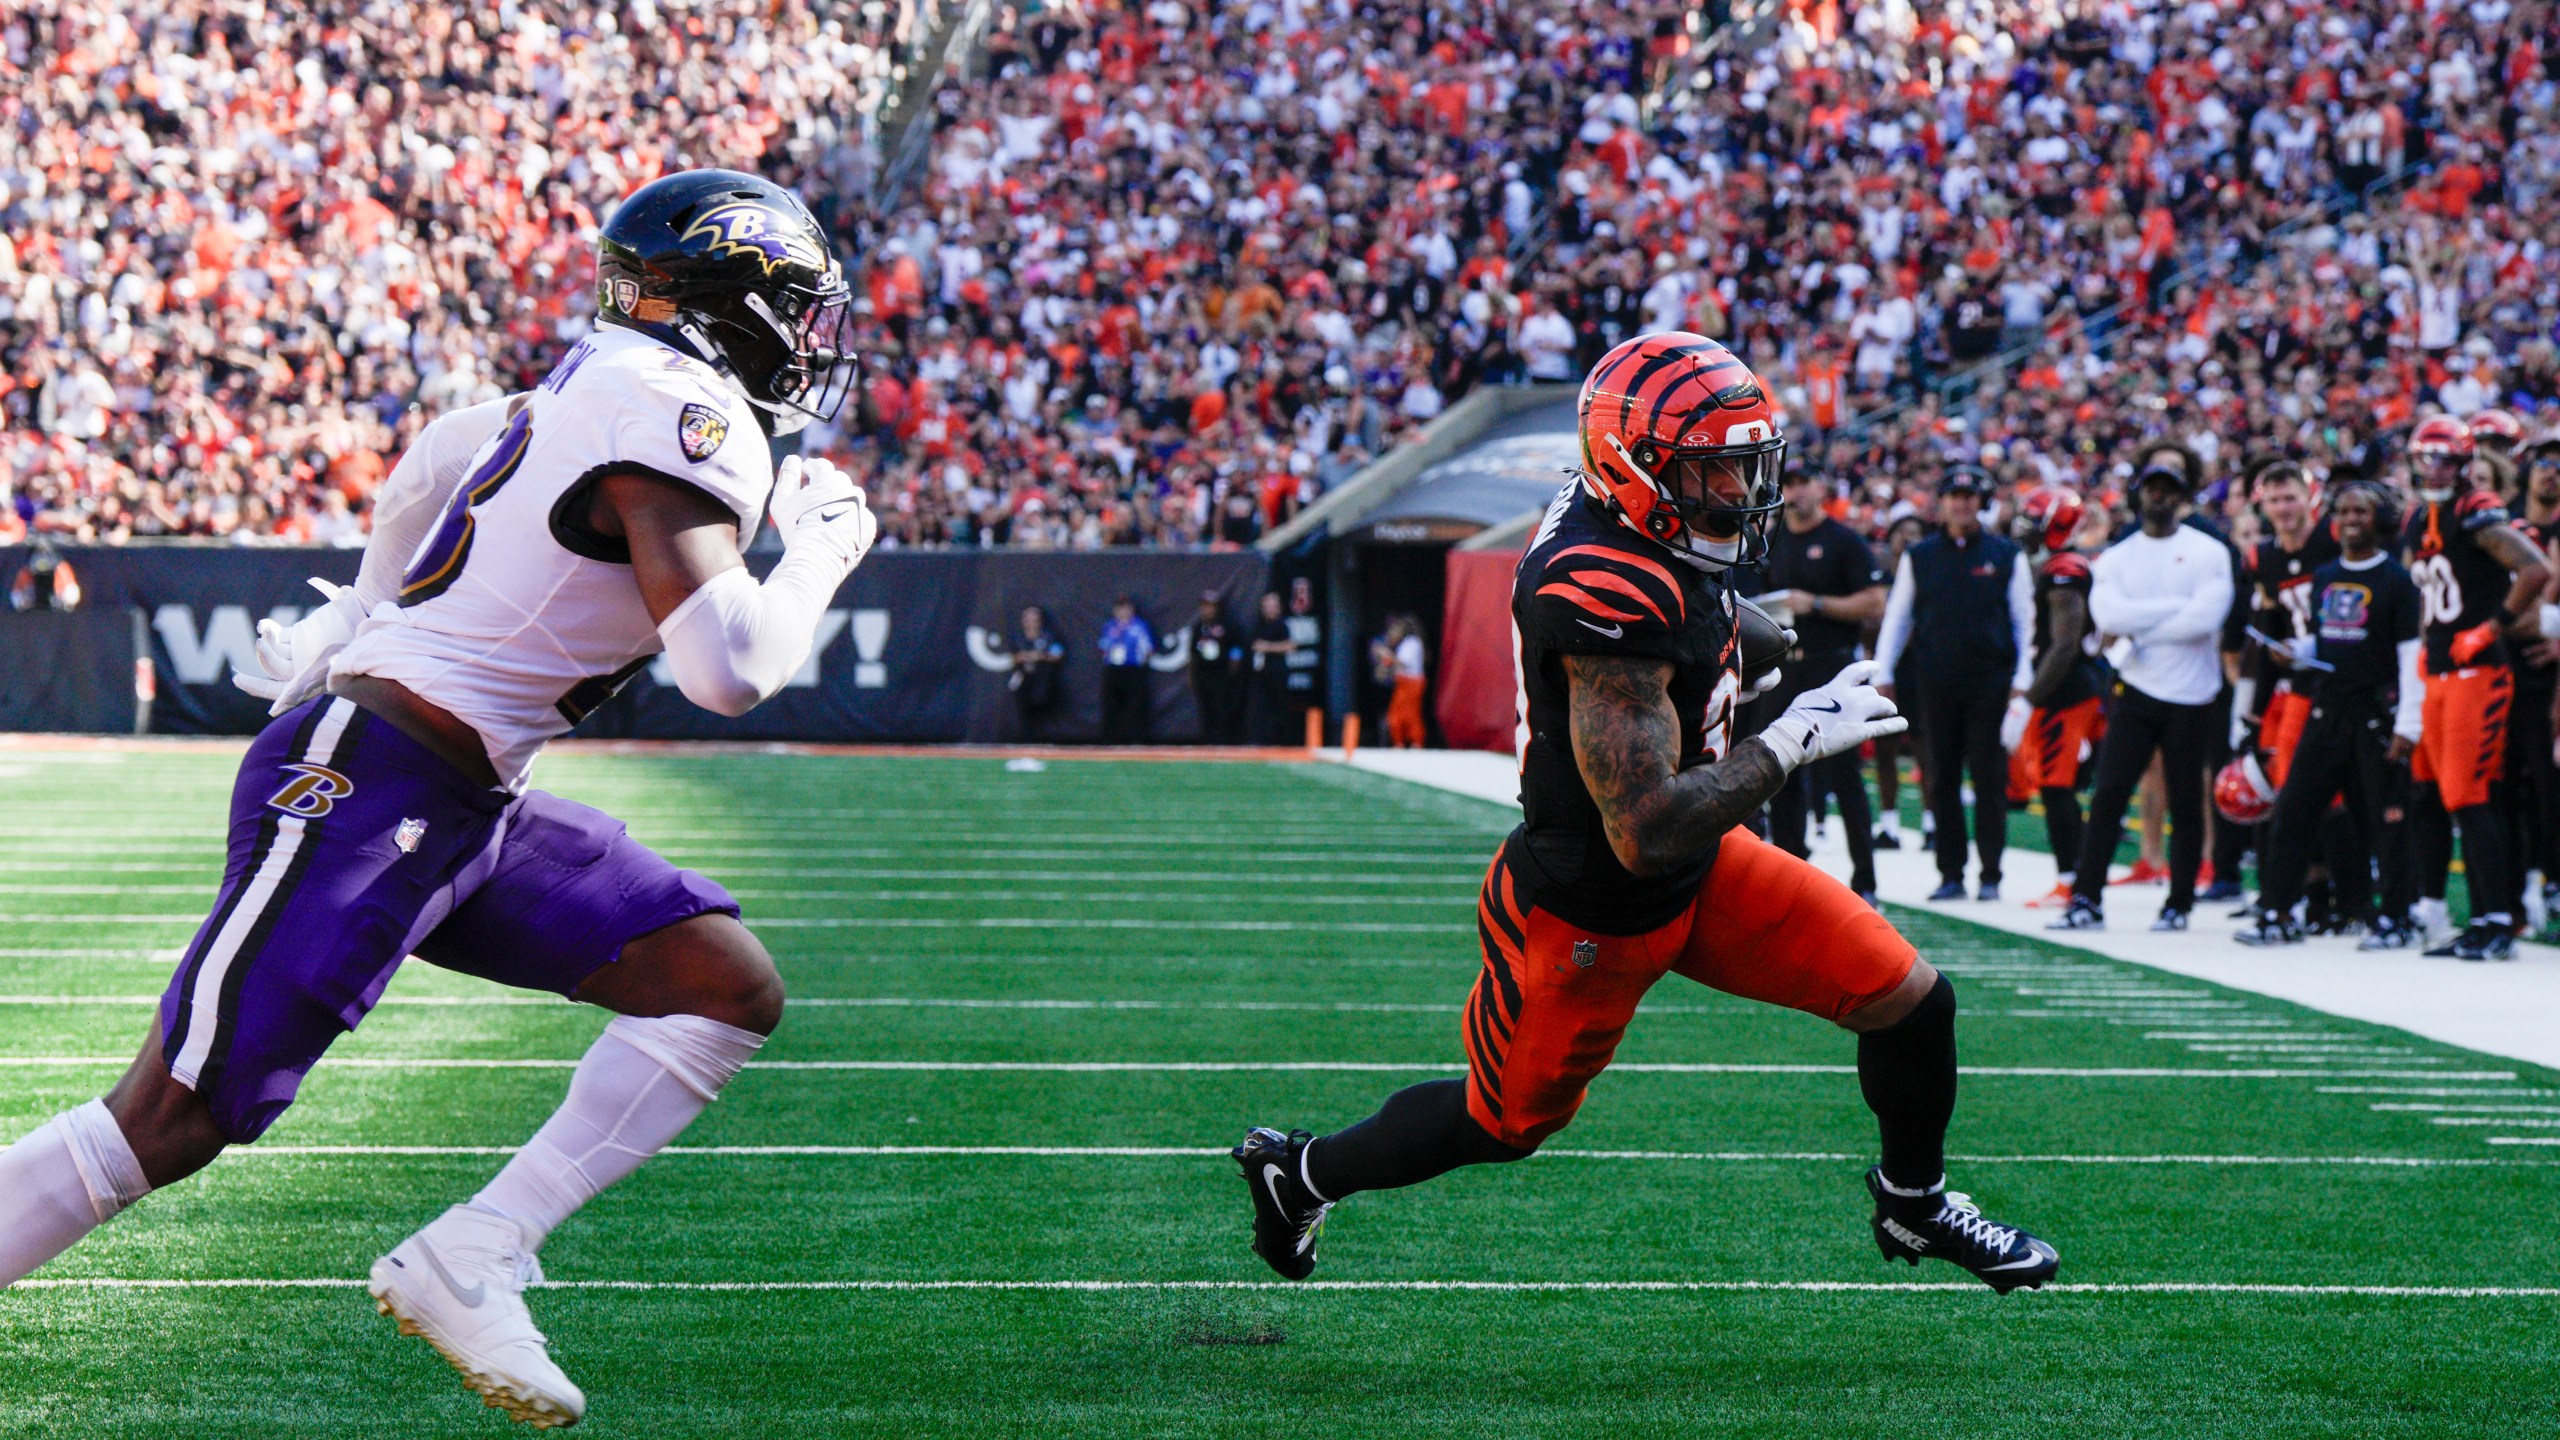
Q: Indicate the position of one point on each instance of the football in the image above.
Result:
(1763, 641)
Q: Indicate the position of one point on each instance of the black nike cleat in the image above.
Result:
(2272, 928)
(2081, 915)
(2479, 942)
(1950, 1227)
(1287, 1216)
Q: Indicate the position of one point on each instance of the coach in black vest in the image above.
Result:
(1963, 606)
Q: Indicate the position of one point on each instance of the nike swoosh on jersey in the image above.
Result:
(471, 1297)
(1614, 632)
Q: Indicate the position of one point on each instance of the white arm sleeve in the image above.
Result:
(414, 495)
(2405, 721)
(1896, 633)
(733, 643)
(2022, 624)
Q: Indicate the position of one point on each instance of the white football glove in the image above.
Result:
(2013, 725)
(1837, 718)
(293, 660)
(814, 503)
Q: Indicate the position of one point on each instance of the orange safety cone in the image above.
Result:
(1315, 728)
(1350, 736)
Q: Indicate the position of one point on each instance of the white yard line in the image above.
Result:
(1187, 1152)
(1490, 1287)
(1202, 1067)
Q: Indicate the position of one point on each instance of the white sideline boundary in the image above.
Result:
(1487, 1287)
(2502, 1009)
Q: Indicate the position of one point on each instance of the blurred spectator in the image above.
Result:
(1217, 673)
(1274, 644)
(1038, 681)
(1128, 644)
(1405, 674)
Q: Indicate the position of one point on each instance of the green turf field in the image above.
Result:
(978, 1186)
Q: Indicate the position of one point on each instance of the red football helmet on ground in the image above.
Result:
(2241, 792)
(1681, 442)
(2048, 515)
(2498, 430)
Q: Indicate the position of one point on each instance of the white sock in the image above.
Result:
(639, 1085)
(72, 1175)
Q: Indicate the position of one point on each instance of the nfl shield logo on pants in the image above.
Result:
(408, 835)
(1586, 953)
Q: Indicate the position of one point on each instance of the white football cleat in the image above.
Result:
(459, 1285)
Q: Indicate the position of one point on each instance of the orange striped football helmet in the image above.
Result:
(2048, 516)
(1682, 443)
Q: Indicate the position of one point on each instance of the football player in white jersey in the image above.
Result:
(528, 556)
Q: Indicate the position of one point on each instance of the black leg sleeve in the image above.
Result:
(1423, 1131)
(2486, 868)
(2431, 838)
(1907, 1071)
(2062, 825)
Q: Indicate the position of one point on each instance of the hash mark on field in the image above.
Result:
(2472, 1091)
(2475, 1109)
(1495, 1287)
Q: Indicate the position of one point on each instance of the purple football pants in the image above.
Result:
(353, 847)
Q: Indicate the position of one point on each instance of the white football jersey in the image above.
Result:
(514, 614)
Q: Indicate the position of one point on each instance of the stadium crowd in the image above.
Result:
(1175, 268)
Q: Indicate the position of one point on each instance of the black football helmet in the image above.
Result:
(734, 271)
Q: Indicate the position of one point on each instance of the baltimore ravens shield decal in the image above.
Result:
(699, 429)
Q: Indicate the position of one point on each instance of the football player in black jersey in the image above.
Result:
(2480, 580)
(2532, 767)
(1629, 865)
(2067, 713)
(2360, 724)
(2267, 698)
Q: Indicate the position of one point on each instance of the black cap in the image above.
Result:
(1971, 479)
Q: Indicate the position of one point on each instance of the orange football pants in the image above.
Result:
(1404, 713)
(2280, 732)
(1553, 1000)
(2464, 743)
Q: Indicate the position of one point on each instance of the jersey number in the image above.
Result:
(2296, 600)
(438, 562)
(2442, 592)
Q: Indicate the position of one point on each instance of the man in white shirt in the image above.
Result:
(2166, 591)
(1546, 343)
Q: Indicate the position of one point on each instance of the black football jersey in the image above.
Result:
(1590, 586)
(2281, 585)
(2064, 570)
(2462, 583)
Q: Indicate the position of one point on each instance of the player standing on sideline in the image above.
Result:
(2360, 722)
(2168, 589)
(2269, 697)
(1962, 610)
(1629, 863)
(2481, 580)
(1831, 588)
(2067, 713)
(2533, 766)
(529, 556)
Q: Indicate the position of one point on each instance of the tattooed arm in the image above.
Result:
(1626, 739)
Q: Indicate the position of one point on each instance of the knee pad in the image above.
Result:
(702, 1054)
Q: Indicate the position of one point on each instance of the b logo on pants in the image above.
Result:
(312, 792)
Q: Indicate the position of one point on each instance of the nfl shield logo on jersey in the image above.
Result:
(699, 429)
(408, 836)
